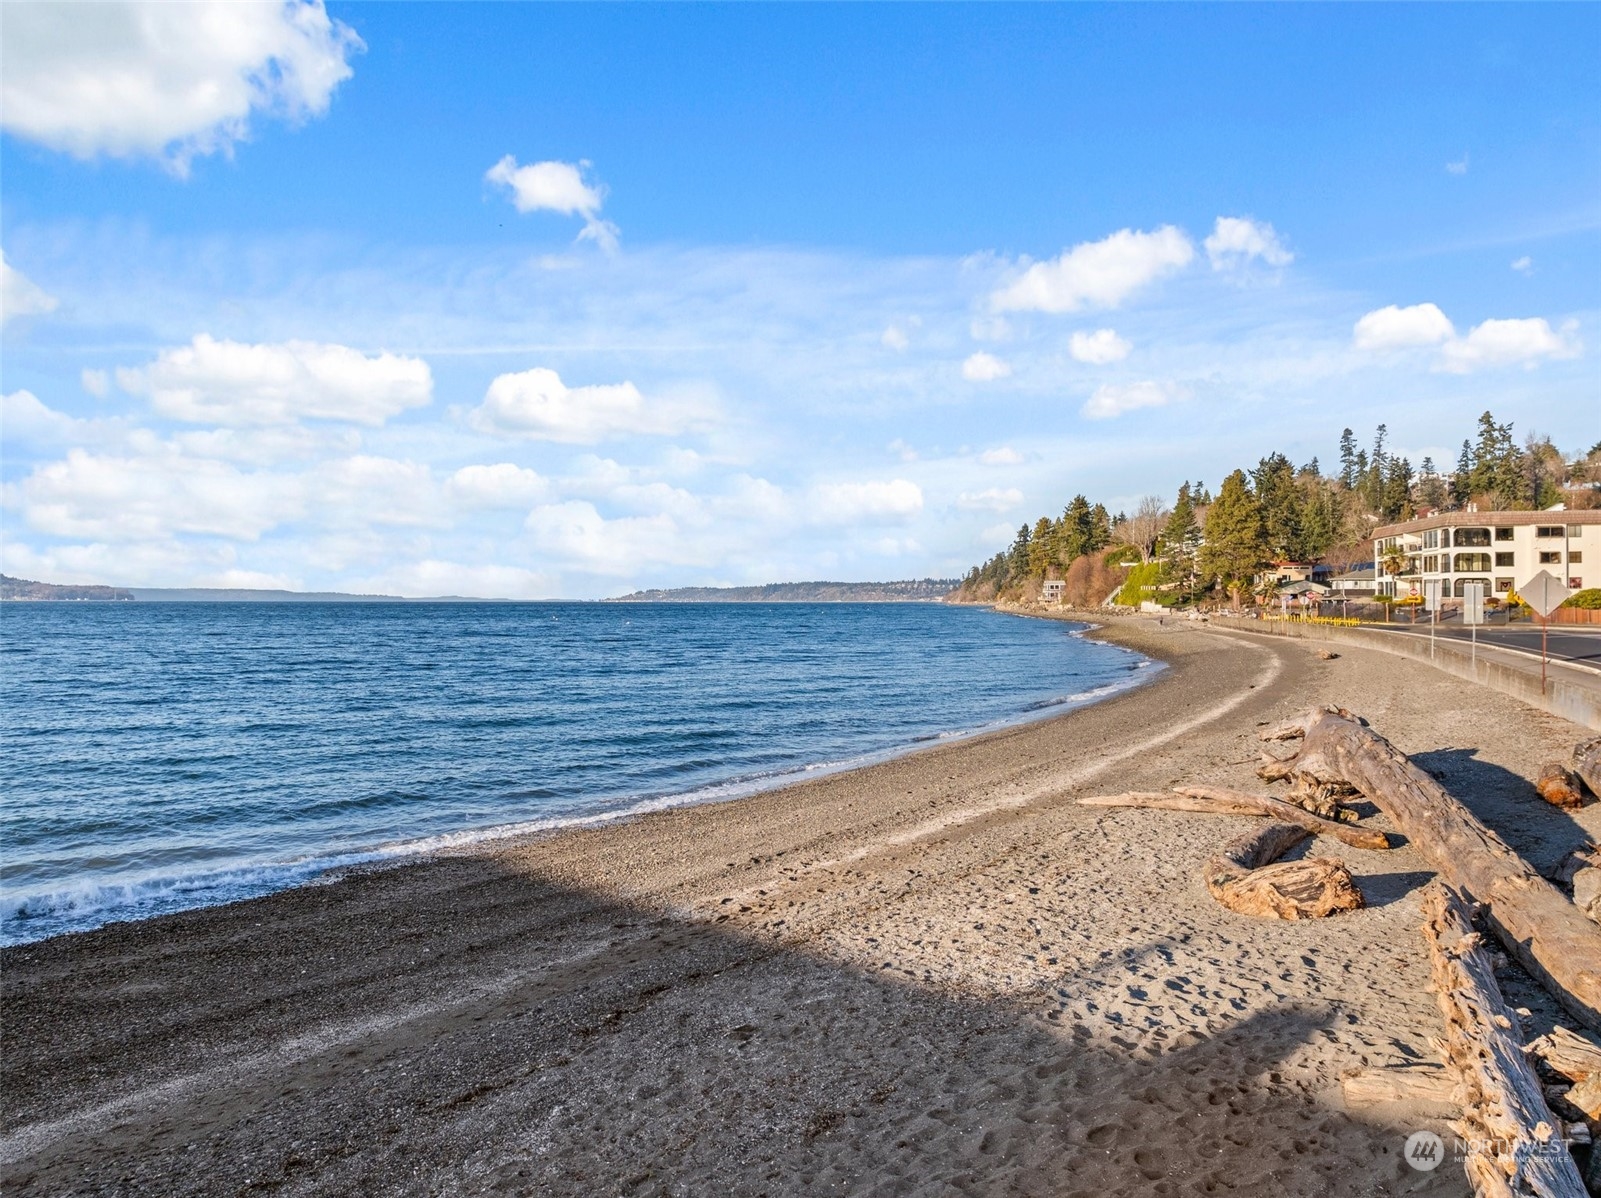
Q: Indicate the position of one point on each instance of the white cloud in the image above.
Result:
(366, 490)
(1113, 400)
(1097, 274)
(1459, 167)
(500, 485)
(159, 79)
(96, 382)
(1509, 342)
(1523, 265)
(153, 497)
(1003, 456)
(575, 532)
(895, 338)
(538, 405)
(20, 295)
(1236, 240)
(232, 383)
(1403, 328)
(984, 368)
(556, 187)
(849, 503)
(1098, 348)
(991, 499)
(431, 577)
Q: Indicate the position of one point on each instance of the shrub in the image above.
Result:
(1588, 599)
(1140, 584)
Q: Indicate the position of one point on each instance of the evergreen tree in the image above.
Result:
(1236, 543)
(1462, 480)
(1431, 489)
(1100, 530)
(1077, 532)
(1041, 548)
(1348, 460)
(1017, 559)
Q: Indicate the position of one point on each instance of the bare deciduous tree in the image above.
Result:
(1143, 528)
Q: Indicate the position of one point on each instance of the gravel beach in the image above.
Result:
(934, 975)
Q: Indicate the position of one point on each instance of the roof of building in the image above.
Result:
(1359, 573)
(1486, 519)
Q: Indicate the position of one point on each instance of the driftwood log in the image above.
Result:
(1515, 1144)
(1244, 879)
(1559, 786)
(1550, 936)
(1427, 1084)
(1587, 764)
(1213, 800)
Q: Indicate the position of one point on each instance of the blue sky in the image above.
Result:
(755, 292)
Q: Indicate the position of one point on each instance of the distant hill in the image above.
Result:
(24, 590)
(921, 590)
(245, 595)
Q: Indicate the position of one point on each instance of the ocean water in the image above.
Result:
(158, 757)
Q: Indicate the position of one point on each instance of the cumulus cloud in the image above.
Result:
(991, 499)
(1459, 167)
(575, 531)
(1005, 455)
(368, 490)
(501, 485)
(536, 404)
(1113, 400)
(1508, 343)
(154, 496)
(1403, 328)
(1097, 274)
(1236, 240)
(984, 368)
(1523, 265)
(556, 187)
(1098, 348)
(895, 338)
(850, 503)
(96, 382)
(149, 78)
(232, 383)
(20, 295)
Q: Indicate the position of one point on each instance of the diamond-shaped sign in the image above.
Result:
(1544, 593)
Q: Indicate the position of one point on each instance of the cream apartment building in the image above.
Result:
(1503, 550)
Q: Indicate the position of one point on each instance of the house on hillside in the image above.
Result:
(1502, 550)
(1360, 582)
(1051, 590)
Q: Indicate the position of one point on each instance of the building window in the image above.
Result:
(1503, 534)
(1471, 562)
(1576, 584)
(1503, 585)
(1550, 559)
(1575, 530)
(1504, 559)
(1575, 557)
(1431, 539)
(1460, 586)
(1472, 538)
(1547, 532)
(1431, 564)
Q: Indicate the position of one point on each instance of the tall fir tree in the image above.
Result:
(1236, 543)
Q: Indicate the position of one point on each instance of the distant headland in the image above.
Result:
(917, 590)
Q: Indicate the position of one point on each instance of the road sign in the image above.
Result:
(1431, 595)
(1473, 603)
(1544, 593)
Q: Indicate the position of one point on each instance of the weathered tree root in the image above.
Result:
(1536, 923)
(1587, 763)
(1244, 881)
(1515, 1144)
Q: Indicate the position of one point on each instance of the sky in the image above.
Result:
(561, 301)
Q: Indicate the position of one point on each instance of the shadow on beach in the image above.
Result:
(472, 1029)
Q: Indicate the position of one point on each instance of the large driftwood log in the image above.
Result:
(1559, 786)
(1242, 879)
(1566, 1052)
(1215, 801)
(1427, 1084)
(1515, 1145)
(1587, 764)
(1538, 925)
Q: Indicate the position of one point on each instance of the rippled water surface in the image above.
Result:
(164, 756)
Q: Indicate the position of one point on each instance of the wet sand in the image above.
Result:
(934, 975)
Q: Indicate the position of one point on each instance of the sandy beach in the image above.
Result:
(934, 975)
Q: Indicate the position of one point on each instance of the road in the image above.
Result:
(1576, 645)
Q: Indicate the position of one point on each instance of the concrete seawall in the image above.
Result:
(1570, 692)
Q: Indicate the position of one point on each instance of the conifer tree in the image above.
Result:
(1236, 542)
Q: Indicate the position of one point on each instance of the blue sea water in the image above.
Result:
(159, 757)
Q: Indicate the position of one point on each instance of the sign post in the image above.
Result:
(1544, 594)
(1431, 604)
(1473, 616)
